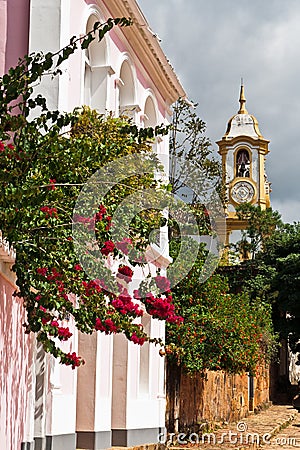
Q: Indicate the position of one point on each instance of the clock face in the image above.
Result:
(242, 192)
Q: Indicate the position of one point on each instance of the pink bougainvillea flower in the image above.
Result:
(162, 283)
(137, 294)
(123, 245)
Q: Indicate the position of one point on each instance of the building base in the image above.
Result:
(131, 438)
(93, 440)
(27, 446)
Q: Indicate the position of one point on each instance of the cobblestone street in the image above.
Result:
(289, 438)
(276, 428)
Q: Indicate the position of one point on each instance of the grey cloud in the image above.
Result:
(211, 44)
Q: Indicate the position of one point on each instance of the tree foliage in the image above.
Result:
(261, 224)
(45, 160)
(282, 258)
(191, 160)
(221, 329)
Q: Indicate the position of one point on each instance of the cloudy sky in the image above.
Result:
(212, 44)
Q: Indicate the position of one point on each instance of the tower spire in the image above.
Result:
(242, 100)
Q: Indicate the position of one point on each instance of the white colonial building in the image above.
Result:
(118, 397)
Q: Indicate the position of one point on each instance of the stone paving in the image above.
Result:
(288, 438)
(276, 428)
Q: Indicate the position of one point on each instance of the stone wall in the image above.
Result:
(212, 397)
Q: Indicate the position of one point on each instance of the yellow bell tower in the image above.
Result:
(243, 150)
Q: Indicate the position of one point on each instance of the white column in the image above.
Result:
(94, 394)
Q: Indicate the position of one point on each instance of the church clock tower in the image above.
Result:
(243, 150)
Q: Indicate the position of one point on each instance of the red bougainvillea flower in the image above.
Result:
(88, 221)
(109, 224)
(162, 283)
(137, 340)
(101, 213)
(52, 181)
(162, 308)
(108, 247)
(2, 147)
(54, 323)
(91, 287)
(64, 333)
(45, 320)
(102, 209)
(125, 305)
(77, 267)
(108, 326)
(125, 273)
(74, 360)
(175, 319)
(54, 274)
(42, 271)
(123, 245)
(49, 212)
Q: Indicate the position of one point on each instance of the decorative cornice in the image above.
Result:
(258, 143)
(144, 43)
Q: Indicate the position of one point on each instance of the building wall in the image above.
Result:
(212, 397)
(16, 356)
(14, 25)
(42, 403)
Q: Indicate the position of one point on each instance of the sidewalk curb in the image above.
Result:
(284, 424)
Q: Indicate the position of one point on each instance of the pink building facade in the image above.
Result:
(118, 397)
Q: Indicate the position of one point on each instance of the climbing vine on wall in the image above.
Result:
(46, 157)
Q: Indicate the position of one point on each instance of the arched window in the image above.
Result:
(125, 83)
(150, 117)
(95, 71)
(243, 163)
